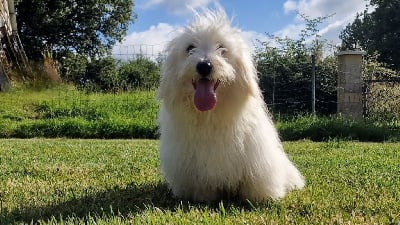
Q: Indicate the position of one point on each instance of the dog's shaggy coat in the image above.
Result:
(216, 134)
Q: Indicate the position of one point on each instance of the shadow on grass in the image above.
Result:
(112, 202)
(116, 201)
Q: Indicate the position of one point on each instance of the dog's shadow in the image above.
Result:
(112, 202)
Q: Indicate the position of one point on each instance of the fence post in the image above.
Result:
(313, 99)
(349, 84)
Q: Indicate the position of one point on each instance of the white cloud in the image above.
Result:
(149, 43)
(289, 6)
(290, 31)
(253, 39)
(152, 42)
(341, 13)
(316, 8)
(178, 7)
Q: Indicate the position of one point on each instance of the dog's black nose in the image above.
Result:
(204, 68)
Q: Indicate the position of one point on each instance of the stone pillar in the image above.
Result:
(350, 84)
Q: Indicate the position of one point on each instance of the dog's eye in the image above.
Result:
(189, 48)
(221, 49)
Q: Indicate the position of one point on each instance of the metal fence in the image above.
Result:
(382, 99)
(132, 52)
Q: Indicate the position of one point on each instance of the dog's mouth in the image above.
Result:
(205, 97)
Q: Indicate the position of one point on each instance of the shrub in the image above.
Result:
(141, 73)
(285, 72)
(106, 74)
(327, 128)
(382, 90)
(101, 75)
(90, 75)
(73, 68)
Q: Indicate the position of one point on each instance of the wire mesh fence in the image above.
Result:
(382, 99)
(282, 96)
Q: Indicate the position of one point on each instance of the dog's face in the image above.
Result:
(206, 63)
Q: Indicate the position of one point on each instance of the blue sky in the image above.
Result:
(158, 19)
(258, 17)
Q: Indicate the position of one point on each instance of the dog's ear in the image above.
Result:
(165, 71)
(168, 73)
(247, 75)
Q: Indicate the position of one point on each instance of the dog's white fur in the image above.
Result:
(234, 147)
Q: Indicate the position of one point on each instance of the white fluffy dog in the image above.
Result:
(217, 137)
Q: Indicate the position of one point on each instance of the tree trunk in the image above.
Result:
(4, 81)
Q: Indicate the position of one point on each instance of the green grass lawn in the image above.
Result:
(62, 111)
(67, 181)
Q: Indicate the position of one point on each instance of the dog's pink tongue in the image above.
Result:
(204, 96)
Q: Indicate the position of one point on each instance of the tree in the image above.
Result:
(140, 73)
(73, 68)
(101, 75)
(86, 27)
(376, 31)
(285, 72)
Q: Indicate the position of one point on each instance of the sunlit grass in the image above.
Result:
(64, 111)
(63, 181)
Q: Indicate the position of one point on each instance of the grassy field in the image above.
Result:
(65, 112)
(67, 181)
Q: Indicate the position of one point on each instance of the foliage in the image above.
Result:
(382, 99)
(62, 181)
(333, 127)
(87, 27)
(326, 83)
(382, 90)
(373, 69)
(73, 68)
(376, 30)
(106, 74)
(101, 75)
(285, 65)
(141, 73)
